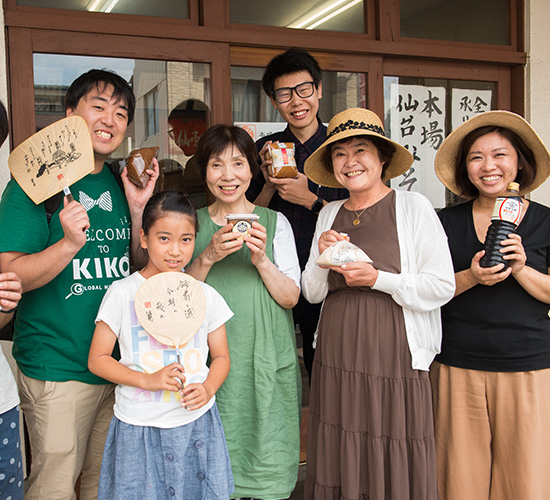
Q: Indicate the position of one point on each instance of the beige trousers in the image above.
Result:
(492, 434)
(67, 424)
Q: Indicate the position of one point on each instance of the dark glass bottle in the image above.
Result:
(504, 221)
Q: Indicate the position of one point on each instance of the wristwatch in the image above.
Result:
(316, 207)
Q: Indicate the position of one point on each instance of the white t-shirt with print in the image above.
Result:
(141, 352)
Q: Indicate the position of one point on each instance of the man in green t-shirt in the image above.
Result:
(65, 266)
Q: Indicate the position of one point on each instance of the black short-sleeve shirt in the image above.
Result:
(499, 327)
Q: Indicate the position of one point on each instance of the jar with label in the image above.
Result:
(241, 222)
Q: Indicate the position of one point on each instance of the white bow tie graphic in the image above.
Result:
(104, 202)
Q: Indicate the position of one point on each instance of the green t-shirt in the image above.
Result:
(55, 323)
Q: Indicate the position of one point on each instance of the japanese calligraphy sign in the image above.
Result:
(467, 103)
(53, 158)
(417, 117)
(171, 307)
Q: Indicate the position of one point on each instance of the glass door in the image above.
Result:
(171, 79)
(172, 108)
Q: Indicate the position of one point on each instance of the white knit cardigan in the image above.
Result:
(425, 283)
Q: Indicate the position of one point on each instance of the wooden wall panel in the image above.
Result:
(221, 89)
(217, 29)
(21, 85)
(375, 86)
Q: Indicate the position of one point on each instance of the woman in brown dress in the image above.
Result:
(370, 430)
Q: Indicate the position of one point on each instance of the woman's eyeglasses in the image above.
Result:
(284, 94)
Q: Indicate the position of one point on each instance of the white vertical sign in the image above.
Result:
(417, 117)
(466, 103)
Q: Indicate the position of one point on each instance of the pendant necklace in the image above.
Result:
(356, 222)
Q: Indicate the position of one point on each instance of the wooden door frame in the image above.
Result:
(24, 42)
(376, 66)
(504, 76)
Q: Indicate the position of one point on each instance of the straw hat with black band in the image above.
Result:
(350, 123)
(445, 160)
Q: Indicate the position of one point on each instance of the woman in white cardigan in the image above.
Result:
(370, 420)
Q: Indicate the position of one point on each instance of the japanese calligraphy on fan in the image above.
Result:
(53, 158)
(171, 306)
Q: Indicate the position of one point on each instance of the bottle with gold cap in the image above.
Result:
(504, 221)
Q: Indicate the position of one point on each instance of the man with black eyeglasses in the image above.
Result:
(292, 80)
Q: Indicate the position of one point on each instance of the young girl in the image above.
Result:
(166, 439)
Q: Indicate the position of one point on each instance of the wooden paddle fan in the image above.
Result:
(171, 307)
(52, 159)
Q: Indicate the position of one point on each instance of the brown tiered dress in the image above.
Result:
(370, 430)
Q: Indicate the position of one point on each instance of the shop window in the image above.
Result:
(419, 114)
(456, 20)
(172, 108)
(332, 15)
(160, 8)
(152, 112)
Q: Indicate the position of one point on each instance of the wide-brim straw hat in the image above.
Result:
(350, 123)
(445, 159)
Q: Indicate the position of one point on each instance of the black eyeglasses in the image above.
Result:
(284, 94)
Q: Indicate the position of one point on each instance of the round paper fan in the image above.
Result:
(171, 307)
(53, 158)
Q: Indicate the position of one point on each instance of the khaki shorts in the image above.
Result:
(67, 424)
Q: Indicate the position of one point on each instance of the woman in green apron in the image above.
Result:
(253, 264)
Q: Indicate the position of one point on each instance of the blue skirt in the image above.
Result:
(11, 470)
(190, 462)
